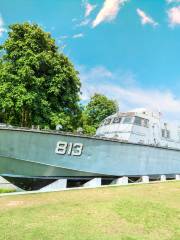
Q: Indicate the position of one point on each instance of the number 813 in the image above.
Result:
(74, 149)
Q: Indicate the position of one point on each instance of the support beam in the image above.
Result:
(95, 182)
(178, 177)
(163, 178)
(120, 181)
(145, 179)
(57, 185)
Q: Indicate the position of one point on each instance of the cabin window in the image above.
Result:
(165, 133)
(137, 121)
(141, 122)
(117, 120)
(127, 120)
(145, 122)
(107, 121)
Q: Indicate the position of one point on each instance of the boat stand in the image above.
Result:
(63, 185)
(59, 184)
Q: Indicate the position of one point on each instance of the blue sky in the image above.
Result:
(126, 49)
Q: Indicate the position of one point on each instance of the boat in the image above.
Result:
(133, 144)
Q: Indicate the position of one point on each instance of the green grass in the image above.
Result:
(6, 190)
(135, 212)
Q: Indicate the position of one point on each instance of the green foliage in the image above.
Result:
(38, 84)
(89, 130)
(96, 111)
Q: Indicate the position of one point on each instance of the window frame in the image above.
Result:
(105, 121)
(119, 120)
(127, 117)
(167, 133)
(144, 122)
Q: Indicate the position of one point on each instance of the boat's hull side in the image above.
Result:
(29, 175)
(32, 154)
(12, 166)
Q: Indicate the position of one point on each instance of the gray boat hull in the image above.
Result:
(33, 154)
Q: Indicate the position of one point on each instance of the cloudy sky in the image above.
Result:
(128, 50)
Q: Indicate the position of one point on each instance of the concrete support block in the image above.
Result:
(95, 182)
(120, 181)
(163, 178)
(57, 185)
(178, 177)
(145, 179)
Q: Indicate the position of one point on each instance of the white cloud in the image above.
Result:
(109, 11)
(145, 19)
(64, 37)
(129, 96)
(172, 1)
(91, 74)
(2, 29)
(174, 16)
(84, 22)
(88, 8)
(74, 19)
(79, 35)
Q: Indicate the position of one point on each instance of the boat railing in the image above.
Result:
(36, 129)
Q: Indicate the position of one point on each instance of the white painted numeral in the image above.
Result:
(70, 149)
(74, 149)
(61, 147)
(77, 149)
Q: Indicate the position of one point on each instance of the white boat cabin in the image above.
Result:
(140, 126)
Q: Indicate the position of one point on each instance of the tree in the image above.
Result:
(96, 111)
(38, 84)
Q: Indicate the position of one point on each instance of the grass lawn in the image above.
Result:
(150, 211)
(3, 190)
